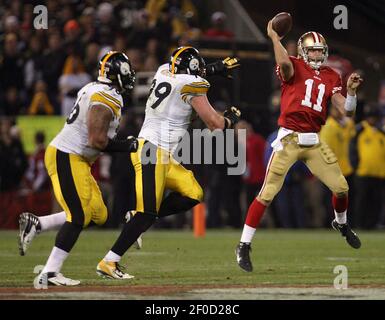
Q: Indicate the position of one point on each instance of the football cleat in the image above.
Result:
(43, 280)
(111, 270)
(242, 252)
(139, 242)
(29, 226)
(347, 232)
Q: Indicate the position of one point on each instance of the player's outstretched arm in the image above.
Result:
(223, 67)
(347, 106)
(280, 53)
(210, 117)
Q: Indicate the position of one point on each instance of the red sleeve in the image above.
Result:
(278, 69)
(337, 84)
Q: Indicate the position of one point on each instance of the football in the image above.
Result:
(282, 23)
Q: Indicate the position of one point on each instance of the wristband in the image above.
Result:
(350, 103)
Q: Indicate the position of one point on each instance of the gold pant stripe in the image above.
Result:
(161, 171)
(50, 163)
(138, 176)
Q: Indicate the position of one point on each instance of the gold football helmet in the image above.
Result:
(312, 40)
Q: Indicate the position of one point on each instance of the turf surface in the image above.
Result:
(280, 258)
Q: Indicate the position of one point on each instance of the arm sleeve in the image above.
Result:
(193, 89)
(107, 100)
(337, 85)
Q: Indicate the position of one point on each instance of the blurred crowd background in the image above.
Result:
(41, 71)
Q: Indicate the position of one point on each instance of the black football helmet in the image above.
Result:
(115, 68)
(187, 60)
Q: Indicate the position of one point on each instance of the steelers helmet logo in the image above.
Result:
(125, 68)
(194, 64)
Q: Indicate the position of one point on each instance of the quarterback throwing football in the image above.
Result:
(307, 87)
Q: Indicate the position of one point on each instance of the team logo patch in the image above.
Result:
(125, 68)
(194, 64)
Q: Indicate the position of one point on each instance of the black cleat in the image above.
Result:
(347, 232)
(242, 251)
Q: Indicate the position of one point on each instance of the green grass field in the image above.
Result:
(281, 258)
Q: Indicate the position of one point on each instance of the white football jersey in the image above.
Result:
(73, 138)
(168, 109)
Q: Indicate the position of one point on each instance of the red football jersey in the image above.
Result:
(305, 96)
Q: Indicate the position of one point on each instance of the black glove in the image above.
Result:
(232, 116)
(127, 145)
(134, 143)
(222, 67)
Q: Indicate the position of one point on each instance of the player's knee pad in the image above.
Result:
(278, 166)
(103, 215)
(99, 214)
(87, 220)
(197, 194)
(268, 193)
(342, 187)
(196, 191)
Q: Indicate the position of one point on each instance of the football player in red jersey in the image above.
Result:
(307, 86)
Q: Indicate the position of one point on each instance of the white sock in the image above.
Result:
(112, 257)
(247, 233)
(55, 260)
(52, 221)
(340, 217)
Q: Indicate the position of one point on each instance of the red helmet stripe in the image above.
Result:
(312, 34)
(315, 37)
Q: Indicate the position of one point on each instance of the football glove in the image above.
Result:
(222, 67)
(134, 143)
(231, 116)
(127, 145)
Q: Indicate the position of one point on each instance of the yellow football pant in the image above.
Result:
(152, 178)
(75, 188)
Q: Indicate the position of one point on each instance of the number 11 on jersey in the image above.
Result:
(309, 89)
